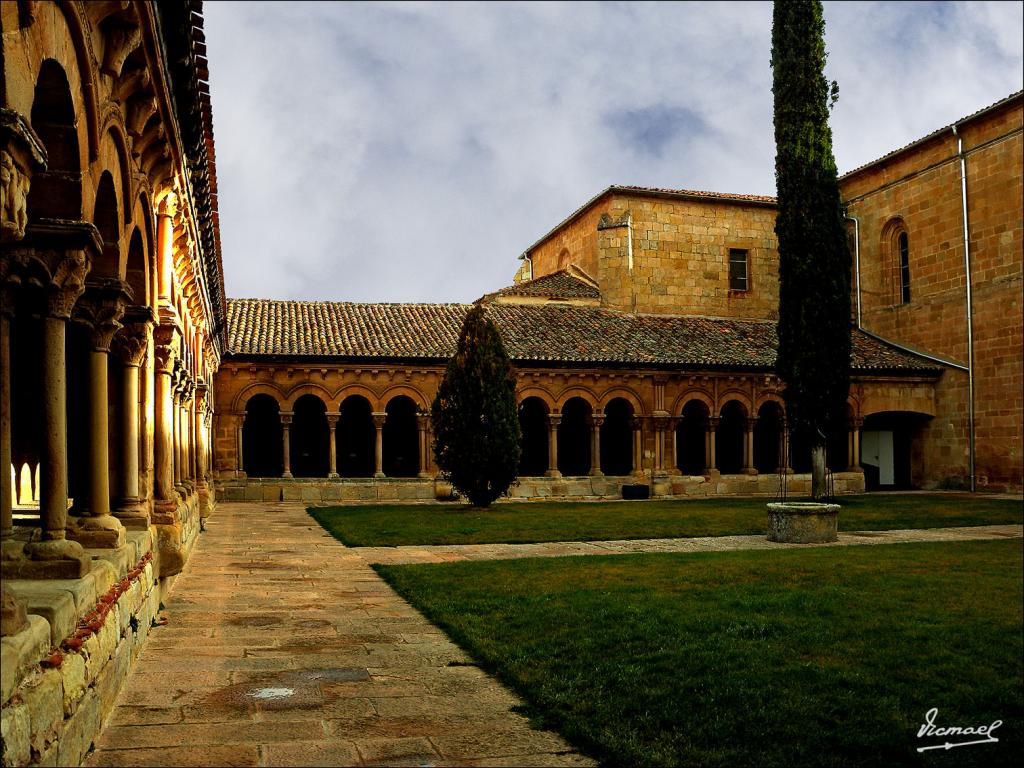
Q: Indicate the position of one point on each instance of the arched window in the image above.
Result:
(903, 245)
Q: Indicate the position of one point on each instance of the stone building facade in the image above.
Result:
(111, 315)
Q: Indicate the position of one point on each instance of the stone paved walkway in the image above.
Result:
(458, 552)
(284, 648)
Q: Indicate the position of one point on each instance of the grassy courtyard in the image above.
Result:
(398, 524)
(810, 657)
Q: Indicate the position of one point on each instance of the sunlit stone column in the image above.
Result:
(240, 446)
(748, 447)
(711, 455)
(176, 428)
(673, 425)
(165, 349)
(554, 419)
(423, 423)
(378, 446)
(595, 444)
(286, 420)
(64, 558)
(100, 309)
(332, 423)
(638, 446)
(131, 345)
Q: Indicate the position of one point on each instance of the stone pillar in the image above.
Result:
(748, 448)
(166, 211)
(63, 558)
(660, 423)
(165, 350)
(239, 447)
(332, 423)
(378, 446)
(673, 425)
(854, 446)
(100, 309)
(199, 432)
(131, 345)
(423, 422)
(711, 449)
(595, 445)
(638, 446)
(176, 430)
(286, 420)
(554, 419)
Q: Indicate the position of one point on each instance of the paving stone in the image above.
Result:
(344, 670)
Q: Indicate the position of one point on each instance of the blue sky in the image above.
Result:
(411, 151)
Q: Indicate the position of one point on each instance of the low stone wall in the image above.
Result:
(326, 491)
(63, 670)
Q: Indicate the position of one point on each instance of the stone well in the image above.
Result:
(803, 522)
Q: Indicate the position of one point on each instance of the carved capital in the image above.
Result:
(332, 419)
(202, 392)
(21, 153)
(713, 422)
(379, 419)
(67, 283)
(101, 308)
(856, 424)
(168, 205)
(166, 341)
(554, 419)
(597, 420)
(131, 343)
(286, 418)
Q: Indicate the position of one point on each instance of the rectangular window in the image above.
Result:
(738, 270)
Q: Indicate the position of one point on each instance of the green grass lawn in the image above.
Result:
(809, 657)
(385, 525)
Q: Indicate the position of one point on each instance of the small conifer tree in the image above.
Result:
(814, 255)
(474, 416)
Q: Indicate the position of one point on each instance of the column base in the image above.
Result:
(596, 473)
(552, 473)
(287, 476)
(133, 514)
(333, 476)
(425, 475)
(379, 475)
(101, 532)
(54, 559)
(749, 471)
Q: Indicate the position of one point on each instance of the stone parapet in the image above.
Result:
(61, 673)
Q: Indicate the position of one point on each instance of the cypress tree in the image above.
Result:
(474, 416)
(814, 255)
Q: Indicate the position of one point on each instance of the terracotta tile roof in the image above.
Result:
(558, 285)
(555, 334)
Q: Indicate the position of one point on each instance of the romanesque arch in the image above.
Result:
(691, 436)
(576, 393)
(418, 399)
(310, 437)
(401, 453)
(106, 217)
(533, 426)
(262, 447)
(358, 390)
(293, 395)
(355, 437)
(730, 437)
(57, 192)
(617, 437)
(574, 436)
(636, 403)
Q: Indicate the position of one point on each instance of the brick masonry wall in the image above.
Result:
(922, 189)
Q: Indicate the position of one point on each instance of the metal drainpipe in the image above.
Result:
(629, 246)
(856, 259)
(970, 313)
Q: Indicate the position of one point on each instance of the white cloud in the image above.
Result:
(409, 152)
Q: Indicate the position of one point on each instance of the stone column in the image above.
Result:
(176, 429)
(423, 423)
(166, 211)
(100, 309)
(199, 432)
(711, 454)
(286, 420)
(63, 558)
(595, 445)
(748, 448)
(378, 446)
(854, 447)
(554, 419)
(332, 423)
(239, 447)
(638, 446)
(166, 338)
(130, 345)
(660, 421)
(673, 425)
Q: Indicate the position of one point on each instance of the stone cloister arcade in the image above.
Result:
(371, 431)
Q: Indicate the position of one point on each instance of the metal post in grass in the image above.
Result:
(814, 258)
